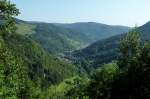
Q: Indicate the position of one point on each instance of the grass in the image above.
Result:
(25, 29)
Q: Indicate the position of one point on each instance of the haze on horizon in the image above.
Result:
(113, 12)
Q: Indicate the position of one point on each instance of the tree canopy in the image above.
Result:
(7, 12)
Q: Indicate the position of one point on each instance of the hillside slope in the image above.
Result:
(96, 31)
(52, 38)
(104, 51)
(62, 38)
(43, 68)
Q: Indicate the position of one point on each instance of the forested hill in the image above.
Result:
(31, 69)
(52, 38)
(43, 68)
(145, 31)
(96, 31)
(106, 50)
(60, 38)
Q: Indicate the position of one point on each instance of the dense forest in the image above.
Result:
(106, 50)
(31, 66)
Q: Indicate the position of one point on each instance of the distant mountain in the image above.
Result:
(145, 31)
(95, 31)
(52, 38)
(62, 38)
(104, 51)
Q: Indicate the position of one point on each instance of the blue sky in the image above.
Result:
(113, 12)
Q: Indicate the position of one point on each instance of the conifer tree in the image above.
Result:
(129, 47)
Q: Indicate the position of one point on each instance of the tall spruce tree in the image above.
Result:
(133, 80)
(129, 47)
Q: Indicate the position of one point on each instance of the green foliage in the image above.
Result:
(101, 81)
(98, 53)
(42, 66)
(35, 70)
(13, 76)
(95, 31)
(53, 39)
(68, 89)
(25, 29)
(14, 80)
(106, 50)
(59, 38)
(129, 47)
(7, 10)
(26, 69)
(133, 81)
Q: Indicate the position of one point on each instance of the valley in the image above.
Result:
(82, 60)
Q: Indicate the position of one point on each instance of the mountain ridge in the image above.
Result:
(96, 31)
(105, 51)
(59, 39)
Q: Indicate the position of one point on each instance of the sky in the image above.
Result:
(112, 12)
